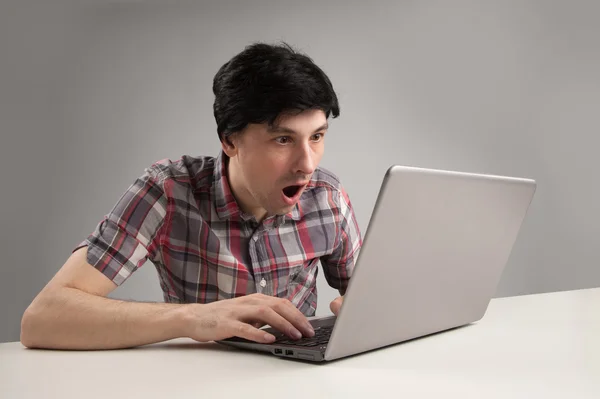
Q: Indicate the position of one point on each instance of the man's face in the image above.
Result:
(270, 167)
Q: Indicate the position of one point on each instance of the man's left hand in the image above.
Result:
(336, 304)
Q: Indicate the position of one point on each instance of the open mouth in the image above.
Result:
(291, 191)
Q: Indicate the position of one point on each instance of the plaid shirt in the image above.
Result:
(183, 217)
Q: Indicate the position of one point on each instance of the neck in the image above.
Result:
(243, 197)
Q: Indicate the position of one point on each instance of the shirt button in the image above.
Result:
(263, 283)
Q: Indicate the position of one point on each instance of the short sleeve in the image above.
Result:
(130, 234)
(338, 266)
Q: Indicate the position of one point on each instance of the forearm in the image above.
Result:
(68, 318)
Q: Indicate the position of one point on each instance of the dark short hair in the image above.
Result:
(264, 81)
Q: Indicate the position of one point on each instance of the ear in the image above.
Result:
(229, 145)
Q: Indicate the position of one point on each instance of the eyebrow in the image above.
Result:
(282, 129)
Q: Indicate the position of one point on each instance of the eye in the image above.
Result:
(283, 139)
(318, 136)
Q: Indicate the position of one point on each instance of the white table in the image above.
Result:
(534, 346)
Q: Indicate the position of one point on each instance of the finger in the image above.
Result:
(289, 312)
(258, 324)
(245, 330)
(269, 316)
(336, 305)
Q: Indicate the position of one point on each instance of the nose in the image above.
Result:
(305, 162)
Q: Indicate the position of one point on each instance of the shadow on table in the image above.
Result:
(215, 347)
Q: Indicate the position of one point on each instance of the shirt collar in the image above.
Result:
(226, 204)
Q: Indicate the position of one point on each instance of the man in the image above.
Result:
(236, 239)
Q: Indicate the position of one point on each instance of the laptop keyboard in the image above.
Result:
(320, 338)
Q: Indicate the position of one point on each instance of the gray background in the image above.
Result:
(92, 92)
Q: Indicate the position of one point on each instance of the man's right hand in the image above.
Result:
(237, 318)
(73, 312)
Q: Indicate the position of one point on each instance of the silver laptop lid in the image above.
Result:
(432, 257)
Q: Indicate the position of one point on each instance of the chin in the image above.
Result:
(282, 211)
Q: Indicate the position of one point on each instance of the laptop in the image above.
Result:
(432, 257)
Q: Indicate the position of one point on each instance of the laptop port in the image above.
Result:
(289, 352)
(278, 351)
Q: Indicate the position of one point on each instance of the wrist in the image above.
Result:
(184, 319)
